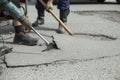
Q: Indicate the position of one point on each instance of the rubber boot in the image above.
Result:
(63, 16)
(22, 38)
(39, 20)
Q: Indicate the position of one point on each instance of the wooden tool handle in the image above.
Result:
(54, 15)
(61, 23)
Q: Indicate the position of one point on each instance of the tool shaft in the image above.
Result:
(45, 40)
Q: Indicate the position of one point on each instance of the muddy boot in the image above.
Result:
(23, 38)
(39, 20)
(63, 16)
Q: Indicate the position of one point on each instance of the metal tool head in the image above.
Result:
(52, 45)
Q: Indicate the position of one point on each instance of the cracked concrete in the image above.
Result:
(109, 15)
(103, 69)
(91, 54)
(79, 48)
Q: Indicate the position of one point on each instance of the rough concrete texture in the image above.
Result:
(97, 69)
(71, 48)
(75, 47)
(91, 54)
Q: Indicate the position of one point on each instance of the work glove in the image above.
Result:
(49, 5)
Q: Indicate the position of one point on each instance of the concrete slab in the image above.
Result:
(71, 48)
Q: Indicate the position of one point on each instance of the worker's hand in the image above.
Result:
(49, 5)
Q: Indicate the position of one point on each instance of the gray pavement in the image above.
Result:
(71, 49)
(91, 54)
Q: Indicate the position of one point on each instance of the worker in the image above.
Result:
(21, 36)
(62, 5)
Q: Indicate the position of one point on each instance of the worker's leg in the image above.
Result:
(64, 8)
(20, 33)
(40, 13)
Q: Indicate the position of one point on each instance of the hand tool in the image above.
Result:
(17, 14)
(54, 15)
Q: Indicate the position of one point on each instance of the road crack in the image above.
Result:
(100, 36)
